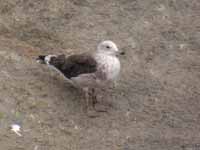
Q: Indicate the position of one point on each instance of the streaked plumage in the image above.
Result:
(88, 70)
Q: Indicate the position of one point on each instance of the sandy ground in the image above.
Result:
(156, 103)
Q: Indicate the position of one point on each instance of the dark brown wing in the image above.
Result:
(75, 65)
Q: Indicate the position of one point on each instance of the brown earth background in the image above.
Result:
(156, 103)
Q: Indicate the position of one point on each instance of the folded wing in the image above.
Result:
(76, 65)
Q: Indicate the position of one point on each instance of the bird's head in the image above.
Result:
(109, 48)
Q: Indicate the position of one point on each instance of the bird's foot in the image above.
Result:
(92, 113)
(100, 108)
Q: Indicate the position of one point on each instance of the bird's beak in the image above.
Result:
(121, 52)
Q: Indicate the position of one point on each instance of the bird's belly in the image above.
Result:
(113, 70)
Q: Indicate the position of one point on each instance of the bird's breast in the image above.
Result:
(108, 66)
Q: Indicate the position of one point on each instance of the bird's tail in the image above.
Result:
(54, 60)
(41, 59)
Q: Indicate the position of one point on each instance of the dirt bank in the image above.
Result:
(156, 104)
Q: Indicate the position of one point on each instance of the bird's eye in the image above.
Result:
(108, 47)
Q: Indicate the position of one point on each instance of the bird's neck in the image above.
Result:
(105, 54)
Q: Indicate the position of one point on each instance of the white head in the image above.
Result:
(108, 47)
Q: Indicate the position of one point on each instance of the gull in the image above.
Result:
(88, 71)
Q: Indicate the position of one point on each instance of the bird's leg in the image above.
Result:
(90, 111)
(94, 97)
(86, 95)
(97, 106)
